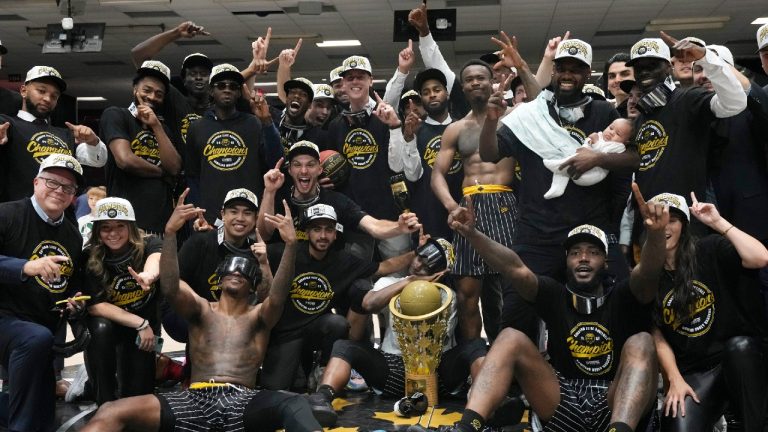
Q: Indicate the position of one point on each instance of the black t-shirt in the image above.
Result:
(225, 154)
(697, 340)
(198, 259)
(547, 221)
(366, 149)
(151, 197)
(589, 346)
(317, 287)
(179, 115)
(28, 144)
(348, 213)
(289, 136)
(122, 290)
(432, 214)
(672, 143)
(23, 234)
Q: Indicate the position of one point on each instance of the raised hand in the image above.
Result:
(259, 48)
(406, 58)
(684, 50)
(4, 132)
(288, 56)
(144, 279)
(551, 49)
(200, 224)
(412, 123)
(147, 116)
(83, 134)
(418, 19)
(423, 237)
(655, 216)
(181, 214)
(283, 224)
(705, 212)
(462, 219)
(385, 112)
(189, 29)
(497, 106)
(259, 105)
(510, 56)
(47, 268)
(259, 249)
(274, 178)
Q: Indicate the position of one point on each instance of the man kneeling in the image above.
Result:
(603, 369)
(227, 341)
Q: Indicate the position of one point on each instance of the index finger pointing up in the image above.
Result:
(182, 197)
(279, 163)
(638, 195)
(298, 46)
(694, 201)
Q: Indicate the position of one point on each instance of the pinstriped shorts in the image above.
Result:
(216, 408)
(583, 406)
(495, 216)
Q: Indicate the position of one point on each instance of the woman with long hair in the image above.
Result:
(120, 275)
(709, 357)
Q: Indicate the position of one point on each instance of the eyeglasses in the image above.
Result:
(222, 85)
(53, 185)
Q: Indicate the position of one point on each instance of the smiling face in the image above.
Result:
(319, 111)
(682, 71)
(586, 263)
(476, 82)
(239, 221)
(235, 285)
(618, 72)
(39, 97)
(649, 72)
(568, 79)
(55, 201)
(356, 85)
(338, 92)
(115, 235)
(700, 78)
(149, 91)
(634, 96)
(305, 171)
(673, 231)
(297, 103)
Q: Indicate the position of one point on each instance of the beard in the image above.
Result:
(436, 111)
(586, 288)
(32, 109)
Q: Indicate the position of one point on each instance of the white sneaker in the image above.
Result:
(78, 384)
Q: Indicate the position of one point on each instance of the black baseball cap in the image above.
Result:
(426, 75)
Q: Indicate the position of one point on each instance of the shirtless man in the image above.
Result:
(227, 342)
(495, 204)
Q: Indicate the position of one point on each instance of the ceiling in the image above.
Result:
(609, 25)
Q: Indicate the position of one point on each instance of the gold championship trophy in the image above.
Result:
(400, 192)
(420, 321)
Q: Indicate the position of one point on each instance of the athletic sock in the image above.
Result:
(619, 427)
(471, 421)
(327, 392)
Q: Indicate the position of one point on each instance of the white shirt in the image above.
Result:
(404, 155)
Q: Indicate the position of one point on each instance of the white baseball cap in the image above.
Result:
(155, 69)
(45, 72)
(304, 147)
(226, 71)
(114, 209)
(323, 91)
(576, 49)
(673, 201)
(762, 37)
(723, 52)
(649, 48)
(241, 194)
(59, 160)
(588, 233)
(356, 63)
(336, 73)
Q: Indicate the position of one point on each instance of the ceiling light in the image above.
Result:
(338, 43)
(680, 27)
(760, 21)
(91, 99)
(131, 2)
(693, 20)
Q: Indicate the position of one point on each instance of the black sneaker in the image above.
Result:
(322, 410)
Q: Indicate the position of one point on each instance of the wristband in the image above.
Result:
(727, 229)
(143, 325)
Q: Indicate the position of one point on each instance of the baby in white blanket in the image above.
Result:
(612, 140)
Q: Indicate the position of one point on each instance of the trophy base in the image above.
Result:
(426, 384)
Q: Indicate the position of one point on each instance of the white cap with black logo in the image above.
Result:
(587, 233)
(654, 48)
(58, 160)
(114, 209)
(575, 49)
(46, 72)
(241, 194)
(674, 201)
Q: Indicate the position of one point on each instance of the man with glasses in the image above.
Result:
(27, 138)
(39, 257)
(224, 148)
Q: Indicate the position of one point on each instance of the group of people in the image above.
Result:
(217, 226)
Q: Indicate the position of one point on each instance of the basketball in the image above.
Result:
(420, 298)
(335, 167)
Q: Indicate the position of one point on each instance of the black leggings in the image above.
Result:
(373, 366)
(739, 380)
(282, 358)
(112, 358)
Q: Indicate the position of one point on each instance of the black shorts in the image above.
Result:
(583, 406)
